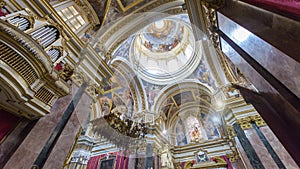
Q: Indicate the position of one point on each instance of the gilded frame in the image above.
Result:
(103, 160)
(129, 6)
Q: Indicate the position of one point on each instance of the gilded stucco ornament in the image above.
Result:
(230, 132)
(216, 4)
(78, 78)
(91, 90)
(2, 3)
(245, 123)
(88, 11)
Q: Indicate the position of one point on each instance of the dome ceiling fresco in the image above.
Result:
(162, 48)
(162, 36)
(165, 36)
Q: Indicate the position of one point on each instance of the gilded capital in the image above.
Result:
(78, 78)
(245, 123)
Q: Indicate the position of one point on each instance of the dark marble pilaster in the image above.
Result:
(242, 154)
(249, 150)
(259, 148)
(269, 147)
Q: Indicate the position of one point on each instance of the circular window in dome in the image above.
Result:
(164, 51)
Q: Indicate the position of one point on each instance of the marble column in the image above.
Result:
(248, 148)
(243, 154)
(260, 149)
(279, 149)
(67, 138)
(29, 150)
(267, 145)
(238, 164)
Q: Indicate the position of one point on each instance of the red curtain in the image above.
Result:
(120, 163)
(285, 6)
(229, 166)
(7, 123)
(121, 160)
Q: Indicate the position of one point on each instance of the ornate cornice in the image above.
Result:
(132, 16)
(245, 123)
(172, 11)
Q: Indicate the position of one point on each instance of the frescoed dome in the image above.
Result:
(164, 50)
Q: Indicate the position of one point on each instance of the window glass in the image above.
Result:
(72, 17)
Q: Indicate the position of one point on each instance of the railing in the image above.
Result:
(27, 42)
(21, 53)
(18, 63)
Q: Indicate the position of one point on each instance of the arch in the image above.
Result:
(124, 88)
(180, 87)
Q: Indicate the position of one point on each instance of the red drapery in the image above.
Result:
(229, 166)
(286, 7)
(120, 163)
(7, 122)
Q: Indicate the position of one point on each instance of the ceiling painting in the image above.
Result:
(117, 97)
(125, 5)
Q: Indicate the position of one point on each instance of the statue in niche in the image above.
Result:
(129, 102)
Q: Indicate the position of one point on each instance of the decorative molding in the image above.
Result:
(230, 131)
(245, 123)
(129, 6)
(212, 24)
(88, 11)
(124, 36)
(78, 78)
(127, 19)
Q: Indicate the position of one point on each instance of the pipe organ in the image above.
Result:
(45, 35)
(20, 22)
(54, 53)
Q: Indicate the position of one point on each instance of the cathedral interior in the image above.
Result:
(149, 84)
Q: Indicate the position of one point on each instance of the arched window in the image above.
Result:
(20, 22)
(54, 53)
(72, 17)
(45, 35)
